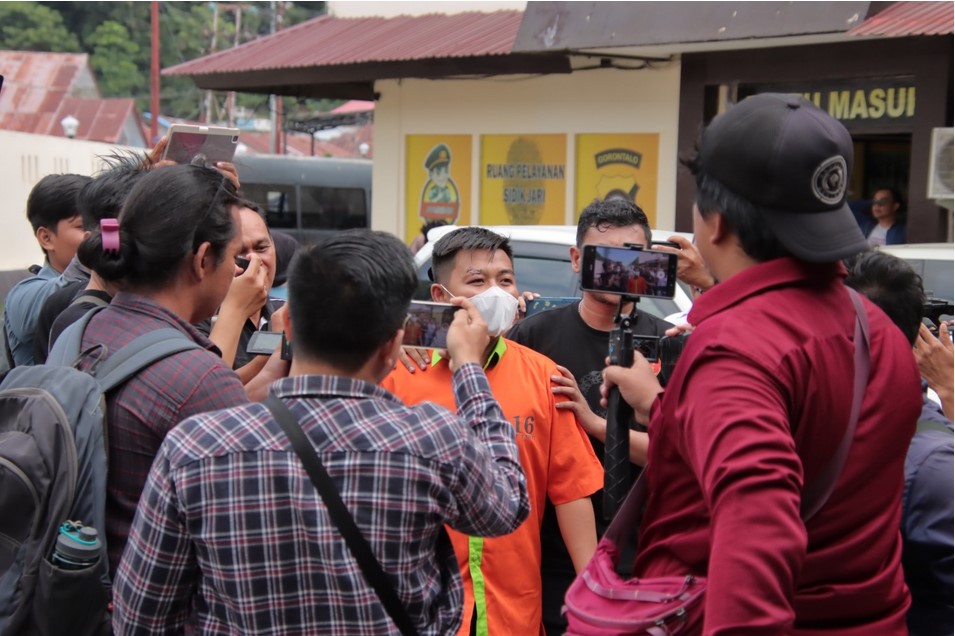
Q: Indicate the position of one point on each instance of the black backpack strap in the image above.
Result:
(357, 544)
(89, 298)
(139, 354)
(67, 348)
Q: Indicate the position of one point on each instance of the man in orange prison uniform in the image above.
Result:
(501, 576)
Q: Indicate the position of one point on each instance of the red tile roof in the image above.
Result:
(910, 18)
(330, 41)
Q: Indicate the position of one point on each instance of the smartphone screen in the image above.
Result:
(427, 325)
(628, 271)
(263, 343)
(201, 145)
(648, 346)
(544, 303)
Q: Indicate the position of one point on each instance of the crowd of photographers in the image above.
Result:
(474, 472)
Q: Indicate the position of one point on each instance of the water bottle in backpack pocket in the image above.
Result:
(70, 597)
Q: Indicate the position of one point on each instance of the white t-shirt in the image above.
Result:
(878, 235)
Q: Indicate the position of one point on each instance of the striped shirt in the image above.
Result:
(140, 412)
(230, 520)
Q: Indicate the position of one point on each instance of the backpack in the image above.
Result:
(53, 464)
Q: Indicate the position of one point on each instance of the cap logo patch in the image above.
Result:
(829, 180)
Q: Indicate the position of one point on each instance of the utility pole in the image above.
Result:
(275, 101)
(154, 75)
(238, 30)
(212, 49)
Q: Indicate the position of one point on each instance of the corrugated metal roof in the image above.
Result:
(331, 41)
(910, 18)
(354, 106)
(40, 89)
(35, 83)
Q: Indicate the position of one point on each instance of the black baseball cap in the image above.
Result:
(792, 161)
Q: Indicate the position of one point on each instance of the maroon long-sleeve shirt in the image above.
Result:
(757, 405)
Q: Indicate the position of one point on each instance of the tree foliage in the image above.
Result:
(114, 59)
(117, 35)
(28, 26)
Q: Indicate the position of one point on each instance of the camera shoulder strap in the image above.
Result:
(357, 544)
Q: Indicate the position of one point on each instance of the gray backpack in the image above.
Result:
(53, 464)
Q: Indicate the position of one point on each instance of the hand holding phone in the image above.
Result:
(468, 337)
(200, 145)
(427, 325)
(628, 271)
(264, 343)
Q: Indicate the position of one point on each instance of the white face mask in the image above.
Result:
(496, 306)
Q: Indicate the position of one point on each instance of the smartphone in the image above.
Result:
(666, 243)
(201, 145)
(544, 303)
(648, 346)
(264, 343)
(628, 271)
(934, 327)
(242, 262)
(427, 325)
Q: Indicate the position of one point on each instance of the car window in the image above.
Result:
(659, 307)
(938, 279)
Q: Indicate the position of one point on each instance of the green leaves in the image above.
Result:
(28, 26)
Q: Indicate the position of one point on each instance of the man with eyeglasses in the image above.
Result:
(886, 225)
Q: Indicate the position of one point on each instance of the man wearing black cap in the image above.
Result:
(761, 397)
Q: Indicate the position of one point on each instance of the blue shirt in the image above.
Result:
(927, 514)
(21, 309)
(896, 234)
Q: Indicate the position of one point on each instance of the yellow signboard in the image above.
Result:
(438, 181)
(618, 165)
(522, 179)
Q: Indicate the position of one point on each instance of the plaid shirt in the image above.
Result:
(230, 519)
(141, 412)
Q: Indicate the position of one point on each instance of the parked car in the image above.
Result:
(308, 197)
(542, 265)
(933, 262)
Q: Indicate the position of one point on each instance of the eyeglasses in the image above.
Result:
(882, 202)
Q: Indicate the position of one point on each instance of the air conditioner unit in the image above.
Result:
(941, 172)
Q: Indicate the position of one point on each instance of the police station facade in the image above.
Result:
(558, 83)
(889, 93)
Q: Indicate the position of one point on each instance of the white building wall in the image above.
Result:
(24, 160)
(595, 101)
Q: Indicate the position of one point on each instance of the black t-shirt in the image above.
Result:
(52, 307)
(563, 336)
